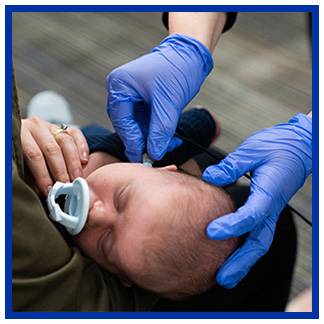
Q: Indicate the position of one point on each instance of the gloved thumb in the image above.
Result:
(235, 165)
(218, 176)
(238, 265)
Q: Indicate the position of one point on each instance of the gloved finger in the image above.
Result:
(35, 161)
(254, 211)
(231, 168)
(175, 142)
(241, 261)
(163, 124)
(121, 115)
(142, 116)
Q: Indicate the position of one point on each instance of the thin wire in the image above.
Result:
(206, 150)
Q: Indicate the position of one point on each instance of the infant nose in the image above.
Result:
(99, 217)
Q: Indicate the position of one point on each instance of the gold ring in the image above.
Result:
(62, 129)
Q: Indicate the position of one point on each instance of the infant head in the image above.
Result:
(148, 226)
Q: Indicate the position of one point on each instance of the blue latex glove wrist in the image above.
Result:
(146, 96)
(280, 159)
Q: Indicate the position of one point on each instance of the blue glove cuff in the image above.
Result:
(178, 40)
(302, 121)
(303, 129)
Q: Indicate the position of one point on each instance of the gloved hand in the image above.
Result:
(280, 159)
(147, 95)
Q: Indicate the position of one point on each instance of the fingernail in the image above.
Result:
(85, 156)
(48, 189)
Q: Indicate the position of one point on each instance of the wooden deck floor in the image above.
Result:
(262, 75)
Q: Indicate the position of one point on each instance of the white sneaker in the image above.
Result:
(50, 106)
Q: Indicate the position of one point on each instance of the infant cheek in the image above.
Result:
(130, 260)
(85, 243)
(92, 223)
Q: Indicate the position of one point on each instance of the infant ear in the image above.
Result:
(171, 168)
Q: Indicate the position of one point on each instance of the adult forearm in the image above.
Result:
(203, 26)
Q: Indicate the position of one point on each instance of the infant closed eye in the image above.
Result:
(120, 198)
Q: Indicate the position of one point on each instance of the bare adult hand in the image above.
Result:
(52, 155)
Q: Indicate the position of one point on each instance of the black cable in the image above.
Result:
(307, 221)
(207, 151)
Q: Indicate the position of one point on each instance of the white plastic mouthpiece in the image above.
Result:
(76, 205)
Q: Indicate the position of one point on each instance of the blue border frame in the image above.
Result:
(315, 184)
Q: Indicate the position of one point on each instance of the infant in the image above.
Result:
(147, 226)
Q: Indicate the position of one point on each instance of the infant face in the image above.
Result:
(129, 205)
(148, 225)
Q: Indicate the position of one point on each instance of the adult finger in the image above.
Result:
(254, 211)
(36, 162)
(71, 155)
(241, 261)
(52, 153)
(81, 144)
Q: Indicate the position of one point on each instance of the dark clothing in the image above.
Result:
(230, 20)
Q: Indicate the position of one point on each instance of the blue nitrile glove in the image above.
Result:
(146, 96)
(280, 159)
